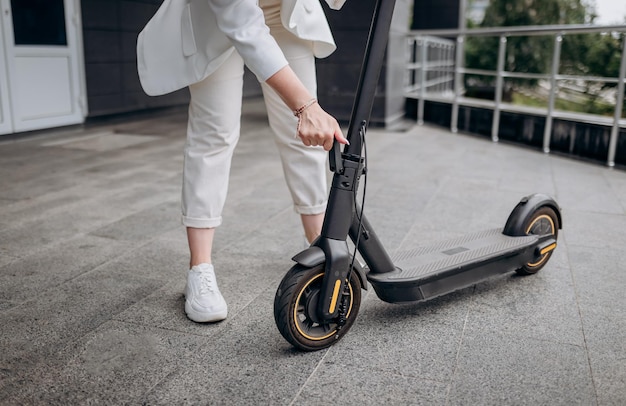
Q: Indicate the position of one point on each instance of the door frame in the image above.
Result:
(6, 115)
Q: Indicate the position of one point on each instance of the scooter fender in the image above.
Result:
(515, 223)
(314, 256)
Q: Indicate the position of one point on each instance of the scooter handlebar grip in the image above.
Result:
(334, 157)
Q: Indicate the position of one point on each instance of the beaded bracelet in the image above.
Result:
(305, 106)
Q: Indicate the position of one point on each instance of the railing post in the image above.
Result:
(457, 84)
(450, 59)
(423, 52)
(619, 103)
(495, 124)
(556, 57)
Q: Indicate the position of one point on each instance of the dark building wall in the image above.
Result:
(110, 29)
(338, 74)
(428, 14)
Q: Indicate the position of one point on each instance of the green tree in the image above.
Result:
(588, 55)
(530, 54)
(603, 59)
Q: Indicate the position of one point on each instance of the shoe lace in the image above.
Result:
(207, 282)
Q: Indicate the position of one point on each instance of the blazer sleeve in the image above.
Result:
(242, 21)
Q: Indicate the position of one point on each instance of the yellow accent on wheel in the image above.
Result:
(548, 249)
(333, 301)
(295, 310)
(544, 257)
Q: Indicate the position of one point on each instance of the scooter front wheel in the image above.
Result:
(542, 221)
(296, 309)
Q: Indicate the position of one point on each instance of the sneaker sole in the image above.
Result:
(200, 317)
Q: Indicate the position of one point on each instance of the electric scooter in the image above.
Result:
(318, 299)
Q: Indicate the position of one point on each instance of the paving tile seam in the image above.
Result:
(215, 327)
(164, 280)
(472, 307)
(131, 153)
(105, 263)
(310, 377)
(592, 373)
(80, 203)
(459, 346)
(91, 269)
(94, 175)
(10, 302)
(23, 138)
(226, 244)
(174, 372)
(538, 339)
(504, 335)
(576, 291)
(11, 258)
(576, 246)
(566, 211)
(388, 372)
(60, 360)
(232, 320)
(28, 203)
(583, 331)
(77, 236)
(123, 239)
(90, 188)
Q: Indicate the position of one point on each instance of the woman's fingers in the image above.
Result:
(340, 137)
(318, 128)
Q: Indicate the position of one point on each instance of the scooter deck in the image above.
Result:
(429, 271)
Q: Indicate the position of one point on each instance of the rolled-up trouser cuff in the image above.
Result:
(201, 222)
(310, 210)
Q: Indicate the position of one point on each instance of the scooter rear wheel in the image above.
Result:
(542, 221)
(295, 309)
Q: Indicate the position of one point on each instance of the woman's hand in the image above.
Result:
(316, 127)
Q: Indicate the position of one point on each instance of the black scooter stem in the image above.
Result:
(348, 167)
(370, 72)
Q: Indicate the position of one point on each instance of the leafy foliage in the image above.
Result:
(595, 54)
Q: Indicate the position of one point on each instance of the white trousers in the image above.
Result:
(213, 131)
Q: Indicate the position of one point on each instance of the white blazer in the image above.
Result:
(187, 40)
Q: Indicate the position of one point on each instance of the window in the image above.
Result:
(39, 22)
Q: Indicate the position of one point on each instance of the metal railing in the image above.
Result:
(435, 71)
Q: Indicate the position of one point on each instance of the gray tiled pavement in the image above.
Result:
(93, 260)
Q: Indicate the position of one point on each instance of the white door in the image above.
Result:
(43, 58)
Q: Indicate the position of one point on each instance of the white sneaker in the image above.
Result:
(204, 302)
